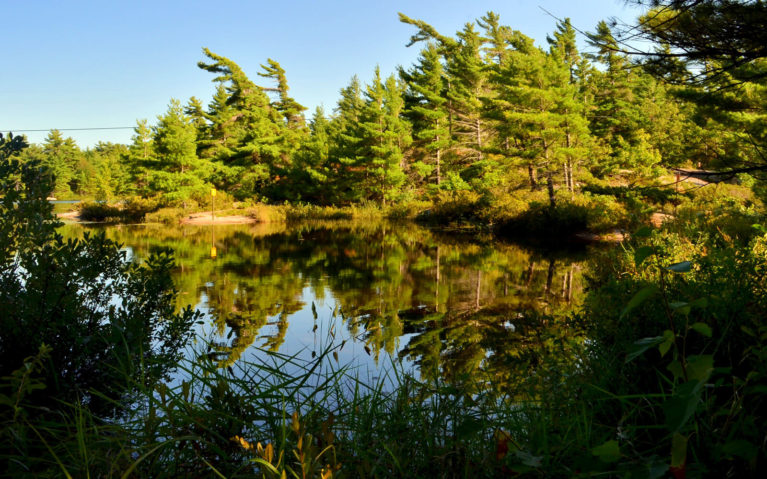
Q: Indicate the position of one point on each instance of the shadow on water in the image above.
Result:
(449, 305)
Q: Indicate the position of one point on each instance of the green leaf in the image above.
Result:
(643, 232)
(681, 406)
(702, 328)
(700, 303)
(608, 452)
(643, 253)
(676, 369)
(699, 368)
(740, 448)
(683, 267)
(639, 298)
(469, 426)
(678, 450)
(642, 345)
(668, 341)
(681, 307)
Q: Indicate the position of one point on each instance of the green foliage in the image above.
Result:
(692, 306)
(107, 322)
(132, 210)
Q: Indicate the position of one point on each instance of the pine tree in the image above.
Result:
(294, 132)
(312, 174)
(179, 173)
(255, 149)
(62, 156)
(467, 87)
(140, 159)
(196, 112)
(291, 110)
(110, 177)
(426, 109)
(496, 39)
(535, 99)
(345, 164)
(382, 136)
(617, 118)
(572, 107)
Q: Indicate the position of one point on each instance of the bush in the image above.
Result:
(95, 323)
(132, 210)
(678, 333)
(454, 206)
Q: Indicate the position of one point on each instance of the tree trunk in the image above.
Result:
(533, 179)
(549, 277)
(530, 273)
(550, 186)
(479, 137)
(569, 168)
(479, 283)
(436, 288)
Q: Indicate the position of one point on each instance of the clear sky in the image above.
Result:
(76, 64)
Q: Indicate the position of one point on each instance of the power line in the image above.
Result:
(72, 129)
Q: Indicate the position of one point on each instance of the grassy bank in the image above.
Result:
(661, 374)
(599, 211)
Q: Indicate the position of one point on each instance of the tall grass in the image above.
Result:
(275, 415)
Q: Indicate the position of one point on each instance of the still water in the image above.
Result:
(444, 305)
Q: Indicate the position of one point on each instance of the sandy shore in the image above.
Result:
(206, 219)
(69, 215)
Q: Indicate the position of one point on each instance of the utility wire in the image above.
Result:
(73, 129)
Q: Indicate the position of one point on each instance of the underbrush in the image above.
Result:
(362, 211)
(131, 210)
(679, 346)
(279, 416)
(568, 216)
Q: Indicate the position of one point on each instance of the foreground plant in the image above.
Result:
(106, 322)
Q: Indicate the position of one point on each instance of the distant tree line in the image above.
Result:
(486, 112)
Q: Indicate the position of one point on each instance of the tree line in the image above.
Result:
(485, 111)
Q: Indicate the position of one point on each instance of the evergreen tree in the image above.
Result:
(256, 129)
(293, 134)
(573, 104)
(62, 156)
(291, 110)
(312, 174)
(426, 109)
(141, 159)
(178, 173)
(110, 176)
(345, 164)
(382, 135)
(467, 87)
(196, 112)
(537, 100)
(617, 118)
(496, 39)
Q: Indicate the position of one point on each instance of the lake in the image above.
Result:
(444, 305)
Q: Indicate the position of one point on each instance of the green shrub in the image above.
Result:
(454, 206)
(96, 323)
(677, 324)
(132, 210)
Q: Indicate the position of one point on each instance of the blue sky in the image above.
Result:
(75, 64)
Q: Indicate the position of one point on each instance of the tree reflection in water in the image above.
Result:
(469, 308)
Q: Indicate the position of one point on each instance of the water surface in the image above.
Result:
(447, 305)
